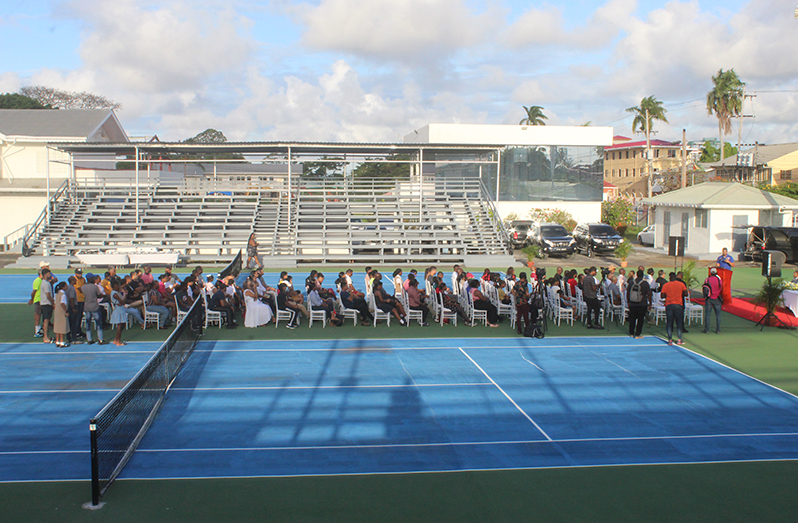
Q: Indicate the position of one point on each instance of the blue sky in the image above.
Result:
(375, 70)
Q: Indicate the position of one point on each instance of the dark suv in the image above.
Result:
(784, 239)
(519, 230)
(596, 238)
(553, 239)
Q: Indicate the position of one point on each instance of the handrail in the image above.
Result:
(495, 218)
(15, 237)
(36, 228)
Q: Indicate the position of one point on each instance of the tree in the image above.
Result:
(210, 136)
(534, 115)
(725, 100)
(324, 168)
(710, 153)
(789, 189)
(649, 109)
(58, 99)
(560, 216)
(19, 101)
(385, 170)
(618, 211)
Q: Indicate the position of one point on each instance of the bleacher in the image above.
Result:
(312, 221)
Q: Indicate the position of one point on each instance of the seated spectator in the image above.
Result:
(257, 312)
(450, 301)
(326, 304)
(614, 291)
(156, 303)
(147, 276)
(481, 302)
(184, 300)
(416, 301)
(218, 302)
(286, 303)
(352, 299)
(387, 303)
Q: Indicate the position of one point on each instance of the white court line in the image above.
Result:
(386, 349)
(313, 387)
(59, 391)
(424, 445)
(50, 353)
(506, 395)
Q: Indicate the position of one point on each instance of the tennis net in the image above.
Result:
(233, 268)
(118, 428)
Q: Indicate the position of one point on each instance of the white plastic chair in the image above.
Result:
(318, 315)
(211, 317)
(150, 317)
(377, 313)
(346, 313)
(282, 314)
(410, 313)
(475, 314)
(442, 313)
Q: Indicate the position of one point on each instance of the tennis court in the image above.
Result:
(292, 408)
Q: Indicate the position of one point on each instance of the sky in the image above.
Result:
(375, 70)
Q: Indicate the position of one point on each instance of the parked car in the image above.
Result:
(784, 239)
(519, 231)
(553, 239)
(596, 238)
(646, 236)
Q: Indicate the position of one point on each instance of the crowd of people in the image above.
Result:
(85, 304)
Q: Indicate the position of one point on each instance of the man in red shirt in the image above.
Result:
(713, 301)
(674, 293)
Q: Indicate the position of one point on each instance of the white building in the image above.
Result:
(712, 215)
(26, 162)
(538, 166)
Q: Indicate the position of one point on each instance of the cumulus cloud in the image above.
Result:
(405, 31)
(546, 26)
(159, 48)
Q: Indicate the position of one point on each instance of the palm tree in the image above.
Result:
(649, 109)
(534, 116)
(725, 100)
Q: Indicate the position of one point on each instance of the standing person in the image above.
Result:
(522, 308)
(398, 283)
(638, 297)
(35, 300)
(91, 309)
(46, 300)
(622, 279)
(61, 315)
(590, 289)
(713, 287)
(74, 316)
(252, 251)
(674, 293)
(119, 313)
(77, 332)
(725, 260)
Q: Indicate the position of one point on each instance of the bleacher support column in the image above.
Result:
(289, 188)
(420, 185)
(47, 205)
(137, 185)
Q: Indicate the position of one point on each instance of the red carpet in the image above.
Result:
(744, 308)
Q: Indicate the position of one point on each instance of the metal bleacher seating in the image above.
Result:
(303, 221)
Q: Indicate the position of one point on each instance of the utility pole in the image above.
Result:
(648, 152)
(740, 131)
(684, 158)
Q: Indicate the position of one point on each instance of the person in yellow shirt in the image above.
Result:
(79, 282)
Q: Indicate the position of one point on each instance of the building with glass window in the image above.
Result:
(528, 167)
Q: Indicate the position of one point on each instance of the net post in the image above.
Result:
(95, 466)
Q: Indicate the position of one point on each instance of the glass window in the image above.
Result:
(785, 175)
(701, 216)
(627, 155)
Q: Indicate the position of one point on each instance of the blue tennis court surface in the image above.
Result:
(282, 408)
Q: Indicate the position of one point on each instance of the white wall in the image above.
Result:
(29, 160)
(473, 134)
(19, 211)
(581, 211)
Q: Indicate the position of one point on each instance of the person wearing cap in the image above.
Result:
(35, 300)
(713, 301)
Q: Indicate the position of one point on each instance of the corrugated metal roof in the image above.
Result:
(764, 154)
(642, 143)
(51, 122)
(723, 195)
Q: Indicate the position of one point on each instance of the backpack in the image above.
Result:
(635, 293)
(705, 290)
(533, 331)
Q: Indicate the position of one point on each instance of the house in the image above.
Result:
(625, 162)
(713, 215)
(768, 164)
(26, 161)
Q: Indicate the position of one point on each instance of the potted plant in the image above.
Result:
(770, 296)
(532, 251)
(623, 250)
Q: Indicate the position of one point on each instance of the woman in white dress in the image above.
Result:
(258, 313)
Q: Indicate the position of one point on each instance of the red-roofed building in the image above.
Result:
(625, 163)
(610, 191)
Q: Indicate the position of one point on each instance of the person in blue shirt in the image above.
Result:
(725, 261)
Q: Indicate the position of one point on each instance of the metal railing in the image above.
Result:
(15, 237)
(32, 236)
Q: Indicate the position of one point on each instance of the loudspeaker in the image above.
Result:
(772, 262)
(676, 246)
